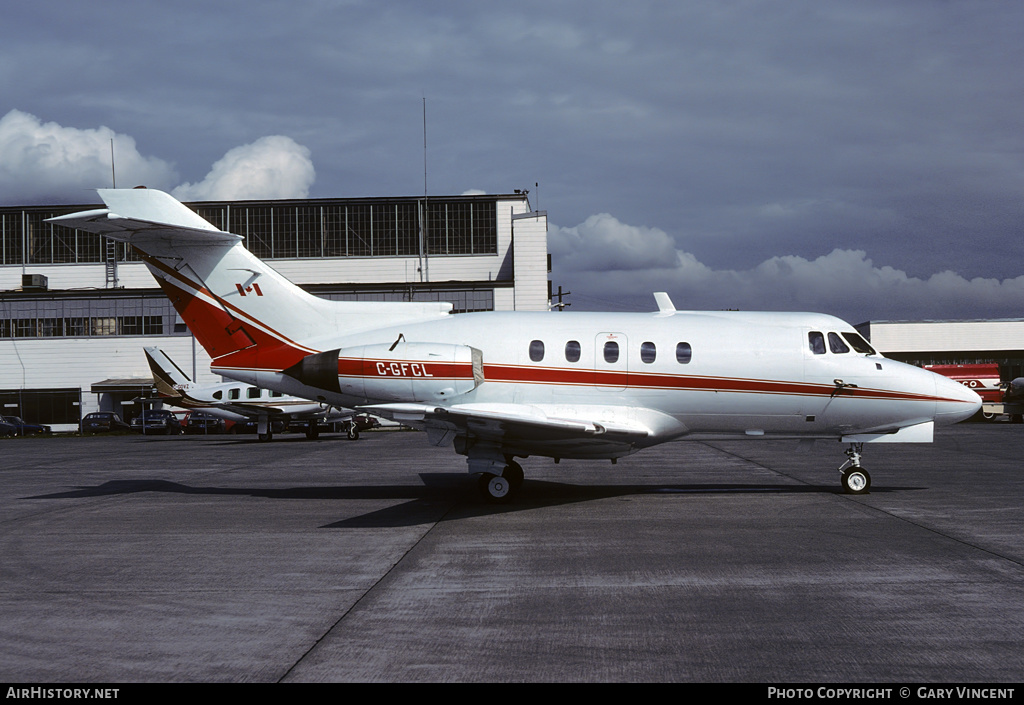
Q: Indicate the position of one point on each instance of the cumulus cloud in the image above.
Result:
(48, 163)
(602, 242)
(604, 261)
(270, 167)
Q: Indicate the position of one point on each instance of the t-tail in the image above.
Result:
(169, 379)
(241, 311)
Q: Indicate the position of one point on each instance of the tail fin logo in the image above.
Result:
(251, 289)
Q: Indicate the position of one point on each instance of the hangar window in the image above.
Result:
(817, 342)
(683, 353)
(572, 351)
(611, 352)
(76, 327)
(648, 352)
(536, 350)
(105, 325)
(836, 344)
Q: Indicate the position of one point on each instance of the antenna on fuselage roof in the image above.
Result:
(665, 305)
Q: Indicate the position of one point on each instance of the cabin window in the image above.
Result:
(817, 342)
(859, 344)
(836, 344)
(536, 350)
(276, 394)
(253, 392)
(234, 393)
(611, 352)
(572, 351)
(648, 352)
(219, 394)
(683, 353)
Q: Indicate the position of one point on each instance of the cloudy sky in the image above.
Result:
(863, 158)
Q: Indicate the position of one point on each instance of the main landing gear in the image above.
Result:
(499, 489)
(855, 479)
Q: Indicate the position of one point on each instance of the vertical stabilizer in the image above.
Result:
(168, 378)
(240, 309)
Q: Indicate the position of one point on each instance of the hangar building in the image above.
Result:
(951, 342)
(76, 309)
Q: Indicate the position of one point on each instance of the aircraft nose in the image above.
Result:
(955, 401)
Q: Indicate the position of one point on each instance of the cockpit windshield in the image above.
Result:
(859, 344)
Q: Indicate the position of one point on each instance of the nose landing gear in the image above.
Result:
(855, 479)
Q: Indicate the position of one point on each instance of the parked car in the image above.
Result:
(25, 429)
(8, 429)
(156, 421)
(201, 422)
(103, 422)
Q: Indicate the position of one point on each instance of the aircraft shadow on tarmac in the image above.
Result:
(446, 496)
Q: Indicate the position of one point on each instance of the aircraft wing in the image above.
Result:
(251, 410)
(521, 429)
(298, 410)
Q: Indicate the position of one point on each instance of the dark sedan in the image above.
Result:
(103, 422)
(201, 422)
(156, 421)
(25, 429)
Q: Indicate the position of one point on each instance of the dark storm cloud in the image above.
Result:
(737, 133)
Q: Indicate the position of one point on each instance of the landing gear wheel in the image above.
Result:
(268, 436)
(514, 474)
(856, 481)
(495, 488)
(353, 433)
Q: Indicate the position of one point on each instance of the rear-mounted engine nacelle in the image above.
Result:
(402, 372)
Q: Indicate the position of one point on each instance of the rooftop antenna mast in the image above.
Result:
(113, 172)
(424, 256)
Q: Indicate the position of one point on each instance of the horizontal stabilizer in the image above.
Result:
(143, 214)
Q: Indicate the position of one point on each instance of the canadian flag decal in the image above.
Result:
(252, 288)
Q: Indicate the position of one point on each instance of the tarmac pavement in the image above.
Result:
(223, 559)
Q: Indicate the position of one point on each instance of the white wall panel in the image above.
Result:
(958, 336)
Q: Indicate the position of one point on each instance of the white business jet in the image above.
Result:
(241, 403)
(497, 386)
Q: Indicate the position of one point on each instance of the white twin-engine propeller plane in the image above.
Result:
(504, 385)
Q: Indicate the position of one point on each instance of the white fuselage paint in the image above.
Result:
(749, 374)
